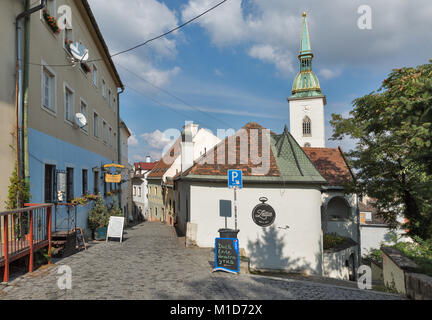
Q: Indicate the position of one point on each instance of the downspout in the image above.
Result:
(119, 138)
(22, 81)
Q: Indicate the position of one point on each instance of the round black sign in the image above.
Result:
(263, 214)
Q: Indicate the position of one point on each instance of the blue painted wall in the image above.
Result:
(44, 149)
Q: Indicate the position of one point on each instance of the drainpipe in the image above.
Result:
(22, 81)
(119, 137)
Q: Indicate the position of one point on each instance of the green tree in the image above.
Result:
(393, 154)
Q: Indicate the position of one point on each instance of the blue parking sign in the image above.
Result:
(235, 179)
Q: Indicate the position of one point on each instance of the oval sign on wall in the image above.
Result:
(263, 214)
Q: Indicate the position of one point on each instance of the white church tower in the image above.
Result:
(307, 101)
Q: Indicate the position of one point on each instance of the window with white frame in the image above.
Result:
(95, 76)
(68, 38)
(83, 110)
(103, 88)
(69, 103)
(48, 89)
(95, 124)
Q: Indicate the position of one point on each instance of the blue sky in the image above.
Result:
(237, 64)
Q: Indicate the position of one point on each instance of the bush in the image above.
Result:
(420, 252)
(332, 240)
(98, 215)
(374, 255)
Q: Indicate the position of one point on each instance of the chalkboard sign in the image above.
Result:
(80, 239)
(227, 255)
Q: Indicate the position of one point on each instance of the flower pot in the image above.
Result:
(100, 233)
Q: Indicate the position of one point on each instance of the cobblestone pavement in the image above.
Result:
(152, 264)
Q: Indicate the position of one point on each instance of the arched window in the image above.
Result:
(307, 127)
(338, 209)
(307, 145)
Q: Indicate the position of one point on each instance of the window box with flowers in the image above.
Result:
(52, 22)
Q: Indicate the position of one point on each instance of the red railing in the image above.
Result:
(24, 232)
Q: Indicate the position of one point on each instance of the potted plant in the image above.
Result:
(98, 218)
(52, 22)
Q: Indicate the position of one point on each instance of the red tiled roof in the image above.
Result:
(145, 165)
(331, 164)
(213, 168)
(162, 166)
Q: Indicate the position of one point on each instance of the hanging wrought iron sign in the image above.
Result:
(263, 214)
(113, 174)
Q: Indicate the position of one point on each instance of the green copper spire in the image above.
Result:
(305, 42)
(306, 83)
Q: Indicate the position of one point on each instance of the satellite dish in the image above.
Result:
(78, 51)
(80, 120)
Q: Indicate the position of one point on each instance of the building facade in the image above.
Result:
(140, 188)
(56, 90)
(192, 144)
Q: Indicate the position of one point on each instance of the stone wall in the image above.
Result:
(418, 286)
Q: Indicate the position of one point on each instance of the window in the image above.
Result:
(84, 181)
(95, 124)
(96, 182)
(368, 216)
(49, 183)
(104, 131)
(69, 185)
(110, 136)
(48, 89)
(83, 110)
(134, 191)
(114, 105)
(109, 97)
(103, 88)
(95, 76)
(139, 191)
(307, 128)
(69, 104)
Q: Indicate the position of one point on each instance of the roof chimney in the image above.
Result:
(187, 146)
(148, 159)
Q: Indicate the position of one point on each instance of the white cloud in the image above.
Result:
(218, 73)
(329, 74)
(156, 139)
(268, 53)
(127, 23)
(133, 141)
(335, 36)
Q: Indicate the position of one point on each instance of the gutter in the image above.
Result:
(119, 137)
(22, 81)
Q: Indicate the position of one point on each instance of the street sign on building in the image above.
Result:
(235, 179)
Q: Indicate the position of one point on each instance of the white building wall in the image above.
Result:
(297, 248)
(373, 236)
(316, 113)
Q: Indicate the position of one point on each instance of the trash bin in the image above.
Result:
(228, 233)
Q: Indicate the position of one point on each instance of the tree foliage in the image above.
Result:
(393, 156)
(18, 192)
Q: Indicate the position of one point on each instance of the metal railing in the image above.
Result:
(24, 232)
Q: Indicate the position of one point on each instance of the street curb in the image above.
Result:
(327, 285)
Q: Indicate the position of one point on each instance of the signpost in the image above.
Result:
(235, 181)
(115, 228)
(227, 257)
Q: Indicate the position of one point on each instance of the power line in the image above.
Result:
(145, 42)
(175, 97)
(164, 105)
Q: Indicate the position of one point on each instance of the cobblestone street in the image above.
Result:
(152, 264)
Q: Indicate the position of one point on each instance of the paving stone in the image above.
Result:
(152, 264)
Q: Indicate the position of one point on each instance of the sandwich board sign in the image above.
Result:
(115, 228)
(227, 256)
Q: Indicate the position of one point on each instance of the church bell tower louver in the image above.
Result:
(306, 104)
